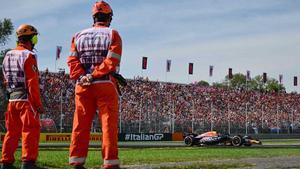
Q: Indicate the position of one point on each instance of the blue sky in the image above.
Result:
(256, 35)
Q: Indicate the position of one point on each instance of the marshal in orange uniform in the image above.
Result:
(95, 55)
(22, 83)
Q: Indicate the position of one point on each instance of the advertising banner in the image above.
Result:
(66, 137)
(145, 137)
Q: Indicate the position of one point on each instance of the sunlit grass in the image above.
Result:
(58, 158)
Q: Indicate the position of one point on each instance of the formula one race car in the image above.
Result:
(214, 138)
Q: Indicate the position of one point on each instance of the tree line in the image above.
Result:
(6, 29)
(240, 81)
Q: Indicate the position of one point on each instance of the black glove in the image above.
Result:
(121, 80)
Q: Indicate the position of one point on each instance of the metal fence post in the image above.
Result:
(61, 112)
(120, 114)
(229, 125)
(211, 117)
(246, 125)
(140, 116)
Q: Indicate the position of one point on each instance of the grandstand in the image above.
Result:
(153, 107)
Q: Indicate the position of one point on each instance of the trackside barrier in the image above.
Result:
(66, 137)
(60, 137)
(276, 136)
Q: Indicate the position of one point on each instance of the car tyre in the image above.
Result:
(236, 141)
(188, 140)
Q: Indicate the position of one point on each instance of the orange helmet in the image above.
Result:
(101, 7)
(25, 29)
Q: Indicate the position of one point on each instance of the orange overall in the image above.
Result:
(22, 119)
(96, 51)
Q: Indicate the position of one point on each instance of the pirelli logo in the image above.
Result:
(67, 137)
(58, 138)
(96, 138)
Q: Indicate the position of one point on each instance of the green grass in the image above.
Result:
(54, 158)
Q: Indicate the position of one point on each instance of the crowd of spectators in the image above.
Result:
(153, 106)
(193, 107)
(57, 92)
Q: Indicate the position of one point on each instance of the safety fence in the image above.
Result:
(155, 118)
(152, 119)
(249, 119)
(146, 116)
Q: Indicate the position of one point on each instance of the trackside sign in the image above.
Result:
(145, 137)
(66, 137)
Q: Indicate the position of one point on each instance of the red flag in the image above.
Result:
(191, 68)
(230, 76)
(144, 63)
(58, 51)
(295, 81)
(211, 69)
(264, 77)
(280, 79)
(168, 65)
(248, 77)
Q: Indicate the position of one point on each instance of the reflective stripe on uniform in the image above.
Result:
(114, 55)
(73, 54)
(18, 95)
(111, 162)
(77, 160)
(17, 100)
(102, 81)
